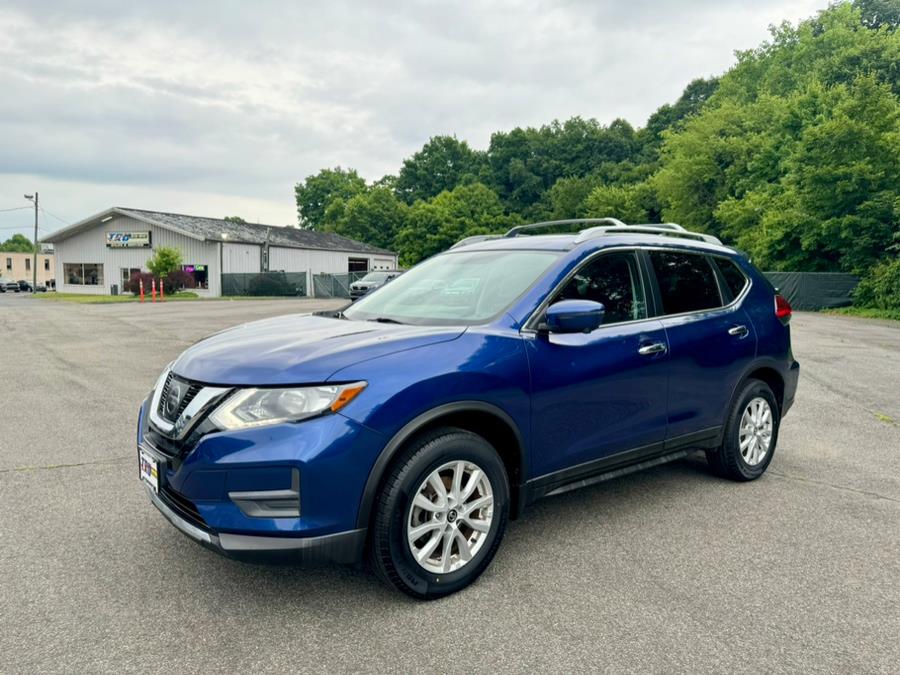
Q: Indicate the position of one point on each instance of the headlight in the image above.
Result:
(249, 408)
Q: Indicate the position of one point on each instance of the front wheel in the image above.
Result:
(751, 432)
(441, 514)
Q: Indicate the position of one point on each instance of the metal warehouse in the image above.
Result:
(104, 250)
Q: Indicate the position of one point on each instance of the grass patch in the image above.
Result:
(867, 312)
(261, 297)
(84, 299)
(887, 419)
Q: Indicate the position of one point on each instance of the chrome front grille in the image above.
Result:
(179, 404)
(171, 409)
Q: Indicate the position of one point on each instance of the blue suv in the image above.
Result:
(410, 427)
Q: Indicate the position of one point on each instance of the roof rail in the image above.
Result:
(601, 227)
(665, 229)
(475, 238)
(514, 232)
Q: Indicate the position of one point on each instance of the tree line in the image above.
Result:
(792, 155)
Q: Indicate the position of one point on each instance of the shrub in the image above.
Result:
(177, 280)
(880, 288)
(165, 260)
(133, 285)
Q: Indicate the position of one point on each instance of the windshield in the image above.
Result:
(375, 276)
(455, 288)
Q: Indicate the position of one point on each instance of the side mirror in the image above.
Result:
(573, 316)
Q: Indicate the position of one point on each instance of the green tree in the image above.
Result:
(795, 157)
(443, 163)
(636, 203)
(234, 219)
(879, 13)
(526, 163)
(315, 194)
(435, 225)
(164, 261)
(374, 217)
(18, 243)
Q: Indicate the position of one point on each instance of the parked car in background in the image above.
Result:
(411, 426)
(24, 286)
(8, 285)
(372, 281)
(40, 288)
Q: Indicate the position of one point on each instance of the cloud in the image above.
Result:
(203, 106)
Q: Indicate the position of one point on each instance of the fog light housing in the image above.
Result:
(270, 503)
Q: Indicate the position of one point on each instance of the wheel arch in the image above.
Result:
(481, 418)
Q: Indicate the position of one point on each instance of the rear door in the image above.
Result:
(710, 338)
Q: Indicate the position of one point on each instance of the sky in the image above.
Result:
(219, 108)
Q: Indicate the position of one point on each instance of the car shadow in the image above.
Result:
(569, 515)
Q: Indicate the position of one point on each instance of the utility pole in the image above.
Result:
(34, 198)
(266, 261)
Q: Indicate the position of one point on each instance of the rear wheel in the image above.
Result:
(441, 514)
(751, 433)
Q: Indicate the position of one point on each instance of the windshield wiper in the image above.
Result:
(384, 319)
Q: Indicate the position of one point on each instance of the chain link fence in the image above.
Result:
(335, 285)
(265, 283)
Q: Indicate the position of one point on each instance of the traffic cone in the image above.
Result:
(162, 294)
(142, 289)
(153, 289)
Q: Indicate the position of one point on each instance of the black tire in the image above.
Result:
(390, 552)
(727, 460)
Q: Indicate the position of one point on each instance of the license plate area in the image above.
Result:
(149, 470)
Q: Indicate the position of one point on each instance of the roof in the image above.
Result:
(567, 242)
(218, 229)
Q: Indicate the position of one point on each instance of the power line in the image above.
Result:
(17, 208)
(19, 227)
(47, 213)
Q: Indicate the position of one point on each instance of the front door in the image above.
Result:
(604, 392)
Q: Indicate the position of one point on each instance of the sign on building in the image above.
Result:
(128, 239)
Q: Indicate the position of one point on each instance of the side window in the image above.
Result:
(734, 278)
(612, 279)
(686, 281)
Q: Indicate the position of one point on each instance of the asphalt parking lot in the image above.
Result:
(667, 570)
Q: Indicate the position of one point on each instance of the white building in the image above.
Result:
(105, 249)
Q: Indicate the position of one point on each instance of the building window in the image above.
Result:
(27, 264)
(200, 273)
(9, 263)
(46, 264)
(83, 274)
(127, 273)
(357, 264)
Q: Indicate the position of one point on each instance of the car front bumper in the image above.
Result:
(342, 547)
(204, 492)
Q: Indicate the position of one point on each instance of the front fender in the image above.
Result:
(482, 371)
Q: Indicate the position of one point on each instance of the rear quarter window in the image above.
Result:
(687, 282)
(735, 279)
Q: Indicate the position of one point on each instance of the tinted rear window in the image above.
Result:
(734, 278)
(686, 281)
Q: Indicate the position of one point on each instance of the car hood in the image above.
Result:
(298, 349)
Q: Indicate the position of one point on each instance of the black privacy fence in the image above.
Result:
(265, 283)
(815, 290)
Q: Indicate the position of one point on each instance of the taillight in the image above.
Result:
(782, 309)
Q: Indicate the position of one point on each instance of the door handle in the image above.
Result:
(740, 331)
(654, 348)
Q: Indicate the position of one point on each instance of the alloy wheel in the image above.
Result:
(450, 516)
(755, 435)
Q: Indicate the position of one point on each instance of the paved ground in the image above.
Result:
(667, 570)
